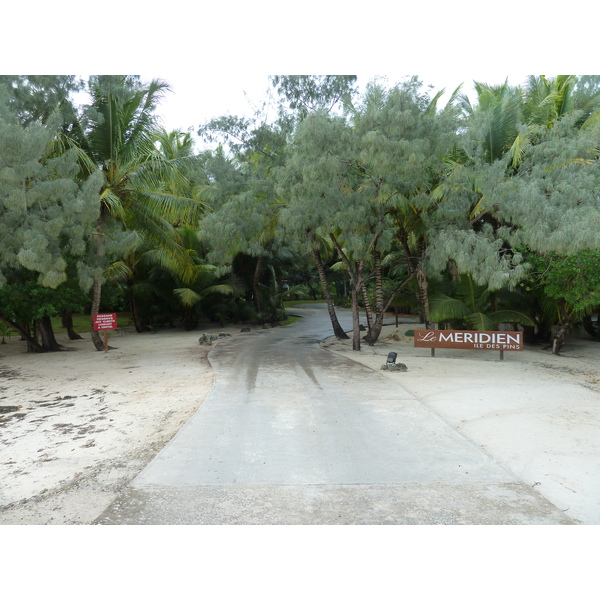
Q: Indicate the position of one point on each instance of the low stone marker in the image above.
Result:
(390, 364)
(207, 339)
(394, 367)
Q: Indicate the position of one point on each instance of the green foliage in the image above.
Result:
(142, 186)
(573, 280)
(309, 93)
(538, 190)
(5, 331)
(24, 301)
(45, 215)
(475, 307)
(38, 98)
(505, 192)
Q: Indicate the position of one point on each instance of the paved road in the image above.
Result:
(293, 434)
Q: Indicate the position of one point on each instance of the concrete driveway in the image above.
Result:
(294, 434)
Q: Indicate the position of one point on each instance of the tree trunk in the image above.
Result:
(356, 277)
(96, 339)
(339, 333)
(375, 327)
(355, 320)
(255, 284)
(67, 323)
(562, 332)
(48, 341)
(368, 312)
(32, 343)
(588, 325)
(138, 322)
(423, 296)
(188, 319)
(419, 273)
(529, 336)
(97, 289)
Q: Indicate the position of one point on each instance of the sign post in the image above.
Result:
(469, 340)
(104, 322)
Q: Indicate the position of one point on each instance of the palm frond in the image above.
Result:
(118, 270)
(187, 296)
(479, 322)
(511, 316)
(219, 288)
(519, 146)
(432, 106)
(444, 308)
(112, 203)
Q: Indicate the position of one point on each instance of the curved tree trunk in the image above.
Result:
(48, 341)
(355, 320)
(375, 327)
(356, 276)
(67, 323)
(339, 333)
(368, 313)
(32, 344)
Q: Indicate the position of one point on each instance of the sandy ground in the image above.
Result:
(538, 414)
(77, 426)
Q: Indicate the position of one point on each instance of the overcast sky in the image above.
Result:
(193, 100)
(212, 54)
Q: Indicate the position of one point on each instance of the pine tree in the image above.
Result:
(46, 216)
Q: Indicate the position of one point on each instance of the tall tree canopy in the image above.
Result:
(139, 196)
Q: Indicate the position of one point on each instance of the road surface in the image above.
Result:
(293, 434)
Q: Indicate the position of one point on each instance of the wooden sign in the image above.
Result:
(469, 340)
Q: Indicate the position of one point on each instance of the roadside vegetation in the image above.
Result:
(478, 213)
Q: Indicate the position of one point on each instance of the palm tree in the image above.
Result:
(474, 307)
(206, 285)
(494, 121)
(116, 136)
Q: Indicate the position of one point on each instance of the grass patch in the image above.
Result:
(291, 319)
(291, 303)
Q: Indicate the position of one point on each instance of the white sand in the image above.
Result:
(538, 414)
(88, 422)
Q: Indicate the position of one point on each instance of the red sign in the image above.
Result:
(105, 321)
(469, 340)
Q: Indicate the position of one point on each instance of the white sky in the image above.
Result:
(193, 101)
(211, 55)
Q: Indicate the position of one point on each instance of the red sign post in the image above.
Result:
(104, 322)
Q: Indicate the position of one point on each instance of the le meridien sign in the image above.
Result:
(469, 340)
